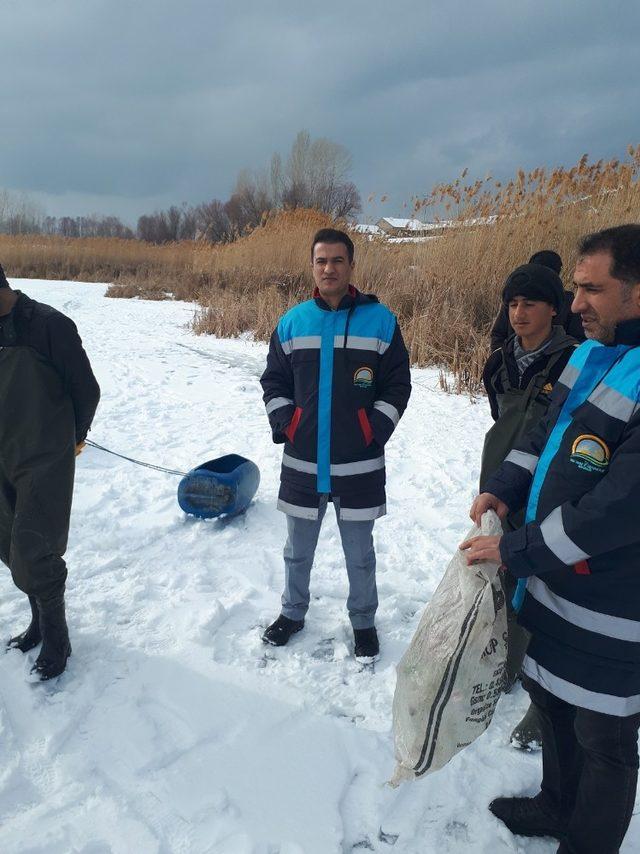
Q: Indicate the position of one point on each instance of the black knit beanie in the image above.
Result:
(3, 279)
(534, 282)
(548, 258)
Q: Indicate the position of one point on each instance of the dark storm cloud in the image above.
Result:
(121, 106)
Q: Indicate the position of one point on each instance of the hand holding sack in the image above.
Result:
(452, 674)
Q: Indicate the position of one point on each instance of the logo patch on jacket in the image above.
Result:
(363, 377)
(590, 453)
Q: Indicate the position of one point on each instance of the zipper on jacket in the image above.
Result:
(346, 326)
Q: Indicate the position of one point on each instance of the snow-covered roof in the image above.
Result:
(408, 224)
(367, 228)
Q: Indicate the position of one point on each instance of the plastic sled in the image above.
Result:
(219, 487)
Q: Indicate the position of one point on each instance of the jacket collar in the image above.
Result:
(558, 340)
(347, 301)
(23, 306)
(627, 332)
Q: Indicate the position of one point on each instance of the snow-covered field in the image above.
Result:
(174, 728)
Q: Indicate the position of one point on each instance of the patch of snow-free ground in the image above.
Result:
(174, 729)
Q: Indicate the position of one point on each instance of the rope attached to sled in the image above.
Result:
(137, 462)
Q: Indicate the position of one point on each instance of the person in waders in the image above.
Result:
(48, 397)
(519, 378)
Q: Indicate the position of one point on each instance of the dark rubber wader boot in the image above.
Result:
(527, 735)
(32, 636)
(56, 648)
(37, 463)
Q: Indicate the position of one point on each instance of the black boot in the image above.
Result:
(279, 632)
(31, 637)
(55, 639)
(527, 734)
(366, 643)
(529, 817)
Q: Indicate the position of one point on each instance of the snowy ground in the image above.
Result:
(174, 729)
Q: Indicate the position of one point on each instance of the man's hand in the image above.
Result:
(80, 446)
(482, 548)
(486, 501)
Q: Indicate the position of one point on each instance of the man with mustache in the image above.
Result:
(577, 560)
(336, 384)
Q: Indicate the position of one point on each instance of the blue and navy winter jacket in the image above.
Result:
(335, 387)
(579, 551)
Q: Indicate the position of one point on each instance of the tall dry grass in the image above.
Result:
(134, 268)
(445, 291)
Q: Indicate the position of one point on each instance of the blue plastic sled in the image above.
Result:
(224, 486)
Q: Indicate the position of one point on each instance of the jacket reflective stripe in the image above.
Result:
(557, 540)
(277, 403)
(357, 342)
(302, 342)
(389, 410)
(607, 704)
(297, 510)
(613, 402)
(337, 469)
(361, 467)
(299, 465)
(569, 375)
(522, 459)
(584, 618)
(362, 514)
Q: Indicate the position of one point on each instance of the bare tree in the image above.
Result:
(345, 201)
(316, 177)
(213, 223)
(19, 213)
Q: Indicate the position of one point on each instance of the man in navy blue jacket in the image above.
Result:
(577, 558)
(336, 384)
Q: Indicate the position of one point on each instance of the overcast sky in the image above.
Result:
(124, 107)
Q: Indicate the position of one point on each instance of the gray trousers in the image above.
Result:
(360, 558)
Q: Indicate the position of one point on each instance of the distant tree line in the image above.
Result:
(315, 174)
(19, 214)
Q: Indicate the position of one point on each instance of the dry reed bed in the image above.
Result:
(444, 291)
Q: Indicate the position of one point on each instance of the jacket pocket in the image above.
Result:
(365, 426)
(290, 430)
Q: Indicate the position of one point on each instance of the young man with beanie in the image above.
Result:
(519, 379)
(576, 558)
(336, 384)
(502, 328)
(48, 397)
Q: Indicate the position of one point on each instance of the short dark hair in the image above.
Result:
(3, 279)
(548, 258)
(333, 235)
(623, 244)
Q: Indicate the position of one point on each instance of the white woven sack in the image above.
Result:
(452, 674)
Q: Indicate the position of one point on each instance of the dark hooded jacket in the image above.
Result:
(55, 337)
(335, 387)
(501, 372)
